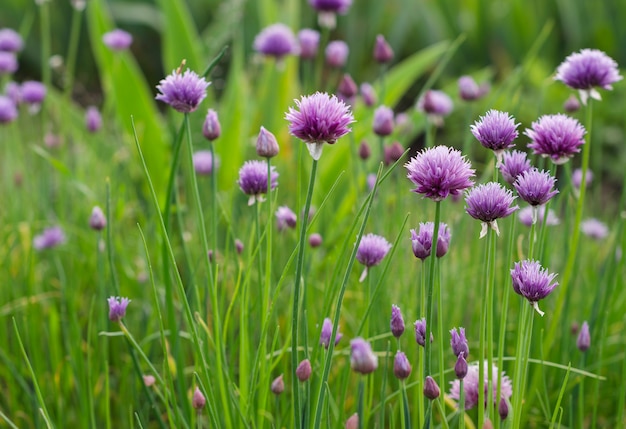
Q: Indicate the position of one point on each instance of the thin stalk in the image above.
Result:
(491, 276)
(461, 405)
(440, 307)
(481, 341)
(420, 350)
(522, 352)
(406, 410)
(430, 134)
(70, 64)
(442, 412)
(360, 410)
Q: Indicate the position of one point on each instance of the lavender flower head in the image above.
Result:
(383, 121)
(420, 332)
(320, 118)
(526, 214)
(184, 92)
(577, 178)
(439, 171)
(8, 111)
(337, 53)
(496, 131)
(571, 104)
(436, 104)
(253, 180)
(8, 63)
(397, 321)
(326, 334)
(303, 371)
(203, 162)
(117, 40)
(309, 43)
(393, 153)
(556, 136)
(13, 91)
(458, 342)
(593, 228)
(422, 241)
(10, 40)
(276, 41)
(584, 338)
(586, 70)
(431, 388)
(368, 94)
(278, 385)
(372, 249)
(49, 238)
(266, 144)
(471, 385)
(211, 128)
(513, 164)
(536, 188)
(401, 366)
(382, 51)
(33, 93)
(362, 358)
(488, 203)
(347, 88)
(93, 119)
(285, 218)
(97, 220)
(117, 308)
(469, 89)
(198, 401)
(532, 282)
(328, 9)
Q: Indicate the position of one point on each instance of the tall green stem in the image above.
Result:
(522, 352)
(70, 64)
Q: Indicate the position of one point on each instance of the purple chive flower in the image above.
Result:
(8, 63)
(468, 88)
(503, 409)
(184, 92)
(211, 128)
(526, 214)
(401, 366)
(198, 401)
(422, 241)
(328, 9)
(556, 136)
(532, 282)
(488, 203)
(471, 386)
(266, 144)
(397, 322)
(584, 338)
(496, 131)
(431, 388)
(347, 88)
(572, 104)
(97, 220)
(420, 332)
(276, 41)
(117, 308)
(309, 43)
(536, 188)
(303, 371)
(368, 94)
(460, 367)
(117, 40)
(337, 53)
(285, 218)
(32, 92)
(327, 331)
(577, 177)
(13, 91)
(8, 111)
(352, 422)
(383, 121)
(320, 118)
(10, 40)
(278, 385)
(49, 238)
(593, 228)
(382, 51)
(315, 240)
(93, 119)
(203, 162)
(586, 70)
(436, 104)
(458, 342)
(362, 358)
(364, 150)
(253, 180)
(439, 171)
(513, 164)
(371, 181)
(393, 153)
(372, 249)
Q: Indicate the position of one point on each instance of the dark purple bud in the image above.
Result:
(278, 385)
(383, 121)
(393, 153)
(198, 401)
(401, 366)
(303, 371)
(347, 87)
(382, 51)
(431, 389)
(97, 220)
(362, 358)
(584, 338)
(368, 94)
(397, 322)
(315, 240)
(459, 342)
(266, 144)
(460, 367)
(238, 246)
(364, 150)
(572, 104)
(503, 409)
(211, 128)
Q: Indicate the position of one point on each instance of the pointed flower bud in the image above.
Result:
(327, 331)
(278, 385)
(364, 150)
(97, 220)
(198, 401)
(503, 408)
(353, 421)
(459, 342)
(460, 367)
(401, 366)
(383, 121)
(382, 51)
(266, 144)
(584, 338)
(362, 358)
(303, 371)
(397, 322)
(431, 389)
(117, 308)
(211, 128)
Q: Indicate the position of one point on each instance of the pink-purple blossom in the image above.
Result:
(513, 164)
(49, 238)
(183, 91)
(93, 119)
(8, 110)
(489, 202)
(533, 282)
(371, 251)
(362, 358)
(276, 41)
(10, 40)
(253, 180)
(382, 50)
(397, 321)
(471, 385)
(558, 137)
(337, 53)
(422, 241)
(117, 40)
(117, 308)
(535, 187)
(309, 43)
(496, 131)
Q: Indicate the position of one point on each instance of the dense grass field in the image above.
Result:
(149, 280)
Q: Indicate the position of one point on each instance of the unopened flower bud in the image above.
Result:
(382, 51)
(198, 401)
(401, 366)
(584, 338)
(211, 128)
(503, 409)
(431, 389)
(278, 385)
(397, 322)
(303, 371)
(266, 144)
(460, 367)
(97, 220)
(364, 150)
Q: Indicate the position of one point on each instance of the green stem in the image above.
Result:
(360, 401)
(430, 134)
(522, 353)
(70, 64)
(491, 276)
(461, 405)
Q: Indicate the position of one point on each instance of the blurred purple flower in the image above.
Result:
(285, 218)
(203, 162)
(117, 308)
(593, 228)
(117, 40)
(526, 214)
(266, 144)
(10, 40)
(184, 92)
(556, 136)
(309, 43)
(489, 202)
(328, 9)
(577, 177)
(436, 104)
(276, 41)
(198, 401)
(362, 358)
(382, 51)
(513, 164)
(584, 338)
(327, 331)
(93, 119)
(33, 93)
(572, 104)
(533, 282)
(393, 153)
(211, 128)
(383, 121)
(8, 63)
(8, 110)
(337, 53)
(253, 180)
(97, 220)
(422, 241)
(468, 88)
(278, 385)
(347, 88)
(49, 238)
(368, 94)
(471, 385)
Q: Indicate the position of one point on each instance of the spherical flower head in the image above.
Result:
(397, 321)
(198, 401)
(383, 121)
(303, 371)
(285, 218)
(315, 240)
(422, 241)
(436, 104)
(489, 202)
(327, 332)
(368, 94)
(203, 162)
(364, 151)
(8, 110)
(266, 144)
(513, 164)
(458, 342)
(577, 178)
(93, 119)
(393, 153)
(183, 91)
(593, 228)
(309, 43)
(586, 70)
(556, 136)
(401, 366)
(439, 171)
(431, 388)
(278, 385)
(584, 338)
(8, 63)
(10, 40)
(362, 358)
(211, 128)
(276, 41)
(526, 215)
(33, 92)
(382, 51)
(471, 386)
(49, 238)
(572, 104)
(117, 308)
(319, 118)
(253, 180)
(347, 88)
(496, 131)
(533, 282)
(117, 40)
(97, 220)
(372, 249)
(337, 53)
(14, 92)
(535, 187)
(468, 88)
(328, 9)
